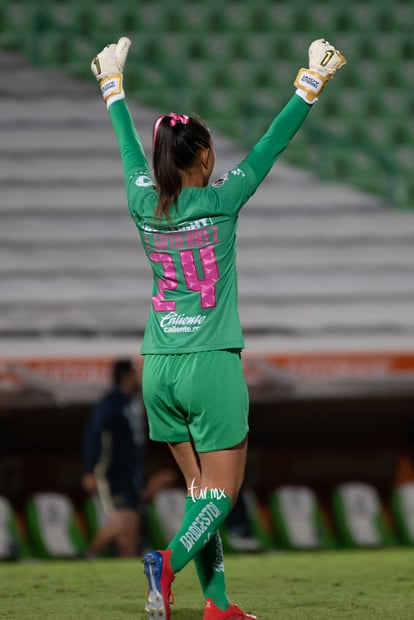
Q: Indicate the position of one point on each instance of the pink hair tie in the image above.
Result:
(178, 118)
(174, 119)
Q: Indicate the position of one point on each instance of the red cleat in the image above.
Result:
(211, 612)
(160, 577)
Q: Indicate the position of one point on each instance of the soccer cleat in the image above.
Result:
(159, 574)
(212, 612)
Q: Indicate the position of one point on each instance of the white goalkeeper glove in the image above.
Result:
(108, 67)
(324, 62)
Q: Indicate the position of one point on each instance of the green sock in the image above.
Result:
(209, 563)
(201, 520)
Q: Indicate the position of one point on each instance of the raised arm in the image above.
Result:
(107, 68)
(281, 131)
(324, 61)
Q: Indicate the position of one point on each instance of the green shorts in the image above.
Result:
(200, 397)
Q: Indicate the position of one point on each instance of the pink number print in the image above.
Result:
(207, 286)
(168, 283)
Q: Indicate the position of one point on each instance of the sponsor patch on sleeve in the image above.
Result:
(143, 179)
(236, 172)
(219, 182)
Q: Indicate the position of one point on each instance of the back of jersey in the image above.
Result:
(194, 297)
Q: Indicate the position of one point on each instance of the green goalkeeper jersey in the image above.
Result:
(193, 256)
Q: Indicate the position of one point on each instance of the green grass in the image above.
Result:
(313, 586)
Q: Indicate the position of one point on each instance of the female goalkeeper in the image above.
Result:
(193, 386)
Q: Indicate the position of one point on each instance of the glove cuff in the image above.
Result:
(309, 84)
(112, 89)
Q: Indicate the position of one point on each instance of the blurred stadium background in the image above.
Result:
(326, 250)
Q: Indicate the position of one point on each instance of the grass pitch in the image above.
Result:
(357, 585)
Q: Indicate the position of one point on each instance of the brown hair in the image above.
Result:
(177, 140)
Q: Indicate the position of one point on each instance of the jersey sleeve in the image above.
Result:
(132, 154)
(235, 188)
(137, 176)
(280, 132)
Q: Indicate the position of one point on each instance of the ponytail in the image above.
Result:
(176, 142)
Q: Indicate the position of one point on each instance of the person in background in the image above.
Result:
(113, 457)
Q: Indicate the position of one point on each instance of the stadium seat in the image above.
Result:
(12, 543)
(298, 519)
(53, 526)
(245, 530)
(345, 21)
(406, 49)
(85, 19)
(152, 51)
(217, 21)
(4, 19)
(16, 25)
(360, 517)
(402, 501)
(301, 19)
(385, 19)
(259, 19)
(128, 19)
(165, 513)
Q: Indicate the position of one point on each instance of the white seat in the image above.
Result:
(298, 518)
(403, 509)
(53, 527)
(166, 514)
(359, 515)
